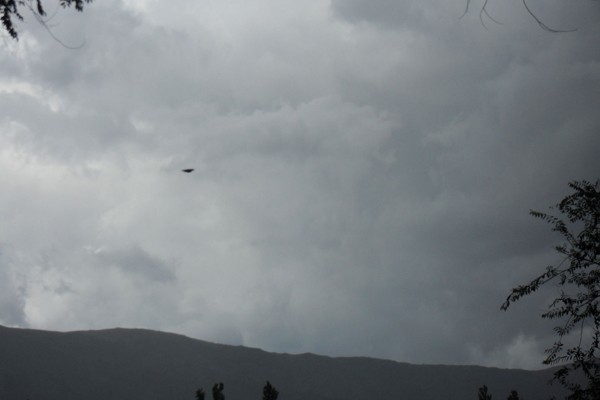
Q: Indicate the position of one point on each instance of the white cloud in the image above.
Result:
(523, 352)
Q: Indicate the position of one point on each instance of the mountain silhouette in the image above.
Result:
(137, 364)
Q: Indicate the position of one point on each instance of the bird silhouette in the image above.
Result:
(187, 170)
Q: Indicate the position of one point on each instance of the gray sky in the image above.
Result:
(364, 171)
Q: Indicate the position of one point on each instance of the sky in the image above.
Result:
(364, 171)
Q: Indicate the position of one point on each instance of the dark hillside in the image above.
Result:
(136, 364)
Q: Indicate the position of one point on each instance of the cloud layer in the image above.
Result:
(363, 172)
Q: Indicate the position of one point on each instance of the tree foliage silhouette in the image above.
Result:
(269, 392)
(513, 395)
(578, 276)
(483, 393)
(200, 394)
(11, 10)
(217, 391)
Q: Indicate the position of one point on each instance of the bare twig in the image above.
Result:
(543, 25)
(484, 12)
(39, 16)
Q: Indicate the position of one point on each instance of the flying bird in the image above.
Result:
(187, 170)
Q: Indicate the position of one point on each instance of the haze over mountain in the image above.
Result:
(143, 364)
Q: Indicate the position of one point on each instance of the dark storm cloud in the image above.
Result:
(513, 131)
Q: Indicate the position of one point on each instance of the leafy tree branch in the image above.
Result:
(578, 277)
(10, 11)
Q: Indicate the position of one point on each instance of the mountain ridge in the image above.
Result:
(134, 363)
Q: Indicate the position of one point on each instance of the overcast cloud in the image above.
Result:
(363, 174)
